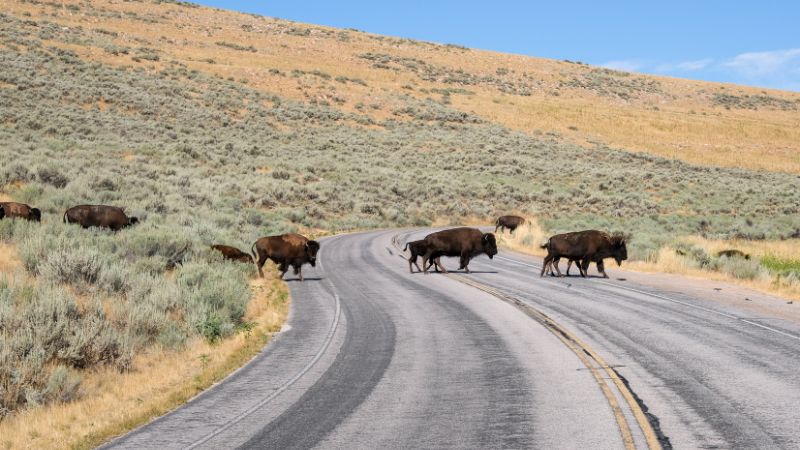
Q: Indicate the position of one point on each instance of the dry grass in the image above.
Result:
(526, 239)
(9, 260)
(114, 402)
(681, 122)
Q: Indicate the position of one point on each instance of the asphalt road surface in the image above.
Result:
(375, 357)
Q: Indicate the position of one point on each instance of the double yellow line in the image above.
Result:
(594, 362)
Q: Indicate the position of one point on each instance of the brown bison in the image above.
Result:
(418, 248)
(233, 253)
(584, 246)
(510, 222)
(733, 254)
(100, 216)
(285, 250)
(465, 243)
(21, 210)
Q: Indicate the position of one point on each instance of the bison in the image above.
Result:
(285, 250)
(418, 248)
(732, 254)
(233, 253)
(585, 246)
(100, 216)
(21, 210)
(510, 222)
(465, 243)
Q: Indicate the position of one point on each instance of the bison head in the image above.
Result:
(133, 221)
(619, 249)
(36, 214)
(312, 247)
(489, 244)
(2, 212)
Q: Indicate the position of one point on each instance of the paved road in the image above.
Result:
(376, 357)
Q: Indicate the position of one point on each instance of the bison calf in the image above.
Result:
(510, 222)
(285, 250)
(100, 216)
(464, 242)
(417, 249)
(233, 253)
(20, 210)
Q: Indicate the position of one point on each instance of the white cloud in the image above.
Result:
(769, 63)
(774, 68)
(691, 66)
(626, 65)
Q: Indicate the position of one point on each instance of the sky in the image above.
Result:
(751, 43)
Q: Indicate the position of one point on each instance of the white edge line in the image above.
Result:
(284, 386)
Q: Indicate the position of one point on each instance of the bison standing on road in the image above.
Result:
(463, 242)
(585, 246)
(100, 216)
(21, 210)
(285, 250)
(418, 248)
(510, 222)
(233, 253)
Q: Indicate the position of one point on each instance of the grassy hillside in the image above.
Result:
(698, 122)
(213, 126)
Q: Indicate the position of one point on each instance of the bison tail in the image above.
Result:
(253, 251)
(65, 218)
(406, 247)
(546, 244)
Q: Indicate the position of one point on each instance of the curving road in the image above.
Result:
(373, 356)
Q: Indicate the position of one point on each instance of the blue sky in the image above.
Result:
(752, 43)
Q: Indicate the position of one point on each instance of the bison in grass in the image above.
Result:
(510, 222)
(100, 216)
(233, 253)
(585, 246)
(733, 254)
(418, 248)
(285, 250)
(465, 243)
(21, 210)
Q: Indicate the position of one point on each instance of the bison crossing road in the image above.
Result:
(294, 250)
(581, 247)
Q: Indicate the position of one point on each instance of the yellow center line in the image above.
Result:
(588, 357)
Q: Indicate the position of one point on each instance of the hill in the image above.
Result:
(214, 126)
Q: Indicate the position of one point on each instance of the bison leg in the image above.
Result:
(425, 261)
(602, 268)
(545, 264)
(298, 270)
(554, 265)
(262, 258)
(465, 262)
(584, 267)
